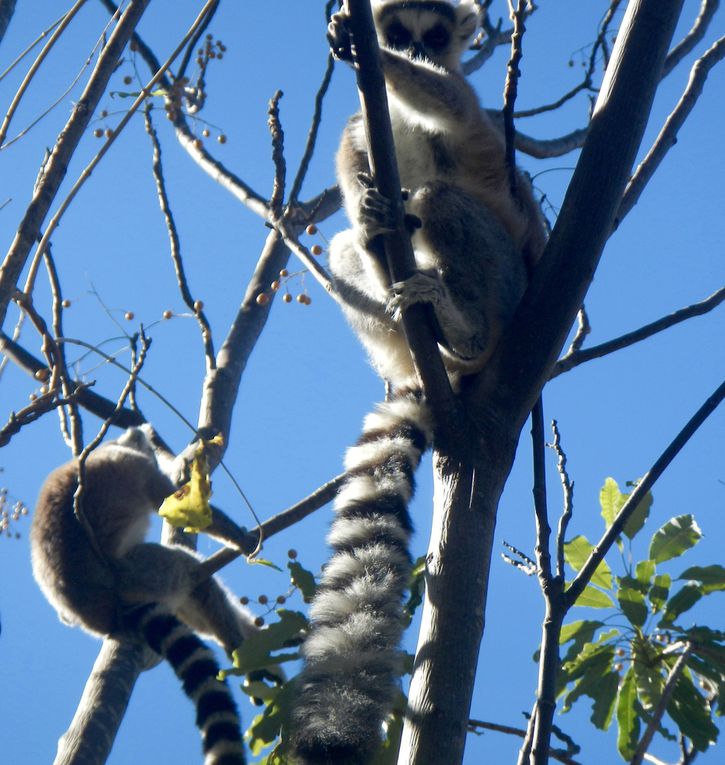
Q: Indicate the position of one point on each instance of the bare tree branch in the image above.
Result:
(575, 357)
(56, 167)
(668, 135)
(195, 306)
(708, 9)
(25, 84)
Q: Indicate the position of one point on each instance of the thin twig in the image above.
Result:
(696, 33)
(568, 492)
(280, 166)
(56, 167)
(25, 84)
(668, 135)
(32, 45)
(74, 435)
(88, 399)
(573, 359)
(314, 127)
(555, 754)
(511, 90)
(193, 42)
(142, 96)
(175, 245)
(292, 515)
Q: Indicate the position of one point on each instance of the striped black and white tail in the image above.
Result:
(195, 665)
(352, 661)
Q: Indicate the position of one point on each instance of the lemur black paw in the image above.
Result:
(338, 35)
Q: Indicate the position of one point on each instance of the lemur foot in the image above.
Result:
(422, 287)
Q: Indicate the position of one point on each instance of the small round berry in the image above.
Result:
(166, 315)
(127, 80)
(274, 286)
(311, 229)
(292, 554)
(42, 374)
(108, 132)
(244, 600)
(98, 133)
(263, 600)
(32, 397)
(198, 305)
(259, 622)
(205, 132)
(316, 249)
(301, 298)
(262, 298)
(129, 315)
(287, 297)
(65, 303)
(281, 600)
(221, 138)
(284, 272)
(198, 143)
(104, 113)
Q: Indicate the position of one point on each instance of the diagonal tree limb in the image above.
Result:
(55, 169)
(574, 358)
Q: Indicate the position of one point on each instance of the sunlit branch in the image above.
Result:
(576, 357)
(25, 84)
(175, 246)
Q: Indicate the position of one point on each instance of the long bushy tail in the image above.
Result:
(194, 664)
(352, 661)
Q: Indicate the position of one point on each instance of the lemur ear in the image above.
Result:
(469, 19)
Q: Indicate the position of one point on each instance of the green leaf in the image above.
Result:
(265, 728)
(594, 658)
(416, 588)
(691, 713)
(576, 553)
(593, 598)
(645, 571)
(303, 579)
(255, 652)
(676, 536)
(263, 562)
(638, 517)
(627, 716)
(631, 601)
(604, 701)
(681, 601)
(611, 500)
(580, 633)
(648, 668)
(659, 591)
(712, 577)
(586, 672)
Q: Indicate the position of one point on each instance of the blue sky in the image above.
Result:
(308, 386)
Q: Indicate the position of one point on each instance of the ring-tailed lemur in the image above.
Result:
(472, 242)
(110, 581)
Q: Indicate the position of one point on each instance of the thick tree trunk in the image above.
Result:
(467, 498)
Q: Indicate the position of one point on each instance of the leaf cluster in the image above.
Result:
(625, 665)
